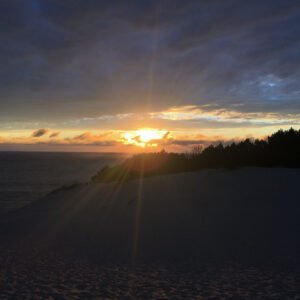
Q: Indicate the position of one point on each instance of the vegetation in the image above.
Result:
(281, 149)
(66, 187)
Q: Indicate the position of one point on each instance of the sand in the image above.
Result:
(231, 234)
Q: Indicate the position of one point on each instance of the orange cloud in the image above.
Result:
(54, 134)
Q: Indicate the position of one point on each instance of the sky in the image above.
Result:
(125, 76)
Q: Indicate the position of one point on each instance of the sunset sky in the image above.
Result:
(125, 76)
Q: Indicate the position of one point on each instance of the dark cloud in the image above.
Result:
(202, 142)
(54, 134)
(188, 142)
(39, 132)
(104, 143)
(82, 58)
(83, 136)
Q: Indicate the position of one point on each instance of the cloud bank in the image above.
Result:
(64, 60)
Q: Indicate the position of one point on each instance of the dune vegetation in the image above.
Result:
(281, 149)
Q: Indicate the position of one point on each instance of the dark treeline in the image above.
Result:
(281, 149)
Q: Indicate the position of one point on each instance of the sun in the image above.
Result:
(145, 137)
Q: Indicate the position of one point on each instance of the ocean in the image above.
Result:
(28, 176)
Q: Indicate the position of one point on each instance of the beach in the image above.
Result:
(230, 234)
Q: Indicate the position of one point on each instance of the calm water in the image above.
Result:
(27, 176)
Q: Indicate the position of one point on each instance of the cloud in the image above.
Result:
(83, 137)
(54, 134)
(89, 138)
(225, 115)
(39, 132)
(106, 139)
(173, 53)
(201, 116)
(105, 143)
(188, 142)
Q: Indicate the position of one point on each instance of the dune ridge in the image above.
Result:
(213, 220)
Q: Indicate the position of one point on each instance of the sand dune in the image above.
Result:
(206, 233)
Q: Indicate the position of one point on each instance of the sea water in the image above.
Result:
(28, 176)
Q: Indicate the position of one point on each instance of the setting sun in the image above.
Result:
(145, 137)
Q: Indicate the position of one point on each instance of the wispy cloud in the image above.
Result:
(205, 115)
(90, 138)
(225, 115)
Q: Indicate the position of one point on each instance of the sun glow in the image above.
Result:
(145, 137)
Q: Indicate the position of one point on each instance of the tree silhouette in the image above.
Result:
(281, 149)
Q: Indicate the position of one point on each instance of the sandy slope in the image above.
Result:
(214, 230)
